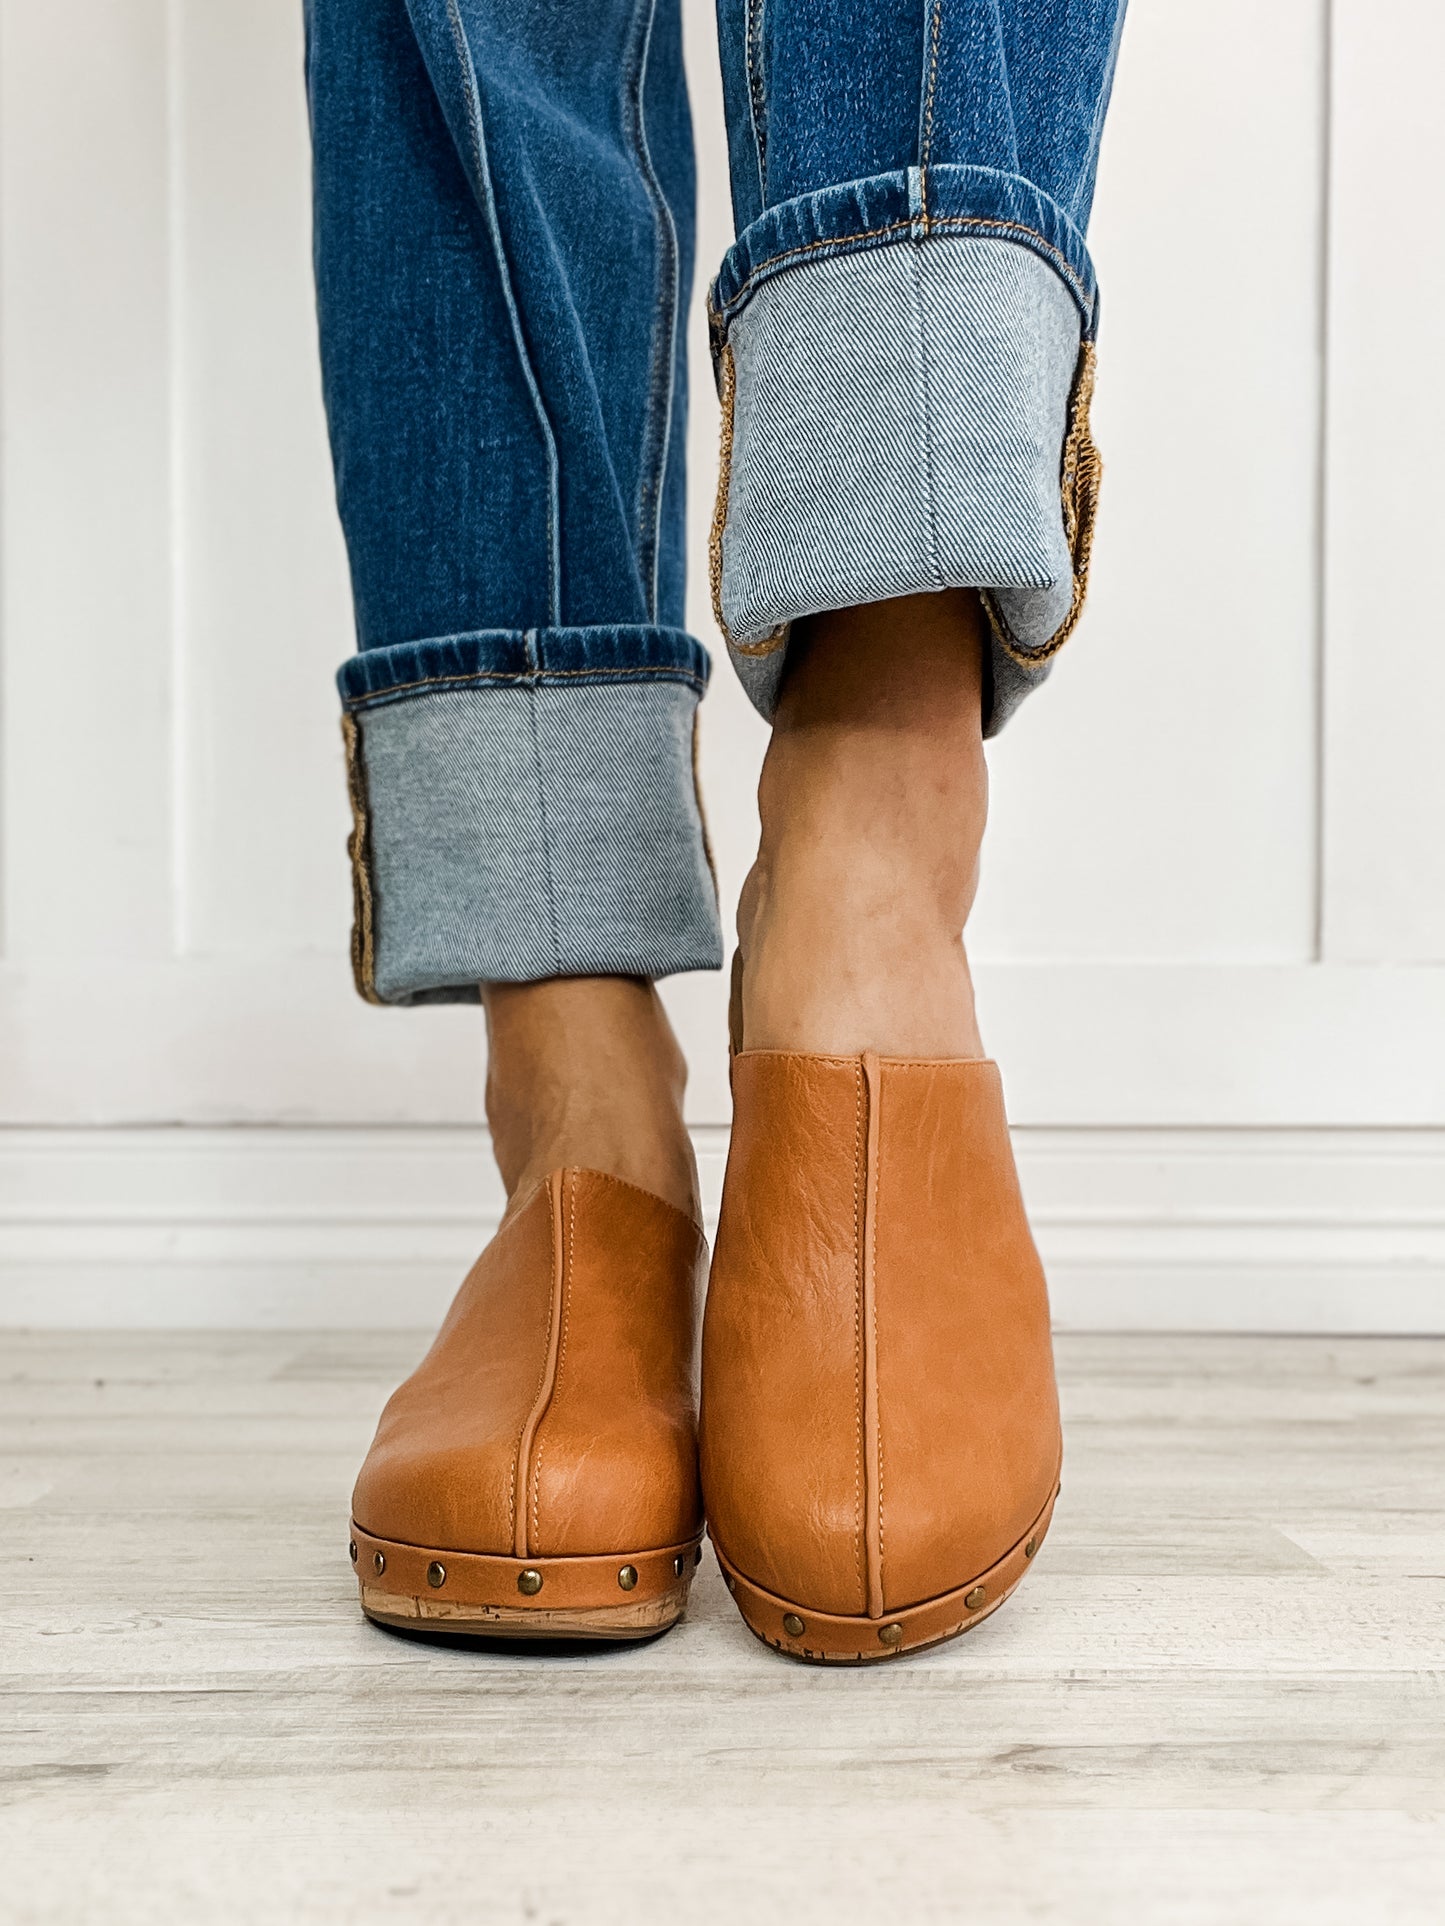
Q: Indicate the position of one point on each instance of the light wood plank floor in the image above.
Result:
(1219, 1697)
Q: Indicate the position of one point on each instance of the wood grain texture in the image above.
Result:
(1219, 1697)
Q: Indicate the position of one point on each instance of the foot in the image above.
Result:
(537, 1474)
(585, 1073)
(873, 798)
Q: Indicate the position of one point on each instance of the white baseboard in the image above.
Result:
(307, 1228)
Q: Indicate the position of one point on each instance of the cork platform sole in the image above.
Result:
(822, 1638)
(614, 1596)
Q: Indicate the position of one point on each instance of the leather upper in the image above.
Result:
(555, 1415)
(879, 1417)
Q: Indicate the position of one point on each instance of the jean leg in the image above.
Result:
(904, 329)
(504, 236)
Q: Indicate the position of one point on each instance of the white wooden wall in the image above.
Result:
(1212, 932)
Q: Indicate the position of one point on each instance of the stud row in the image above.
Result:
(796, 1627)
(529, 1582)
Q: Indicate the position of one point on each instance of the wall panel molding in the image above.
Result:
(1217, 1125)
(1234, 1230)
(1384, 693)
(285, 1040)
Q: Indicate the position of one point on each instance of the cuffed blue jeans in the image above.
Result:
(902, 336)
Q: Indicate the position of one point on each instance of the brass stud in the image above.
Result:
(379, 1562)
(627, 1577)
(529, 1582)
(793, 1625)
(353, 1551)
(975, 1598)
(679, 1565)
(890, 1634)
(1031, 1547)
(436, 1575)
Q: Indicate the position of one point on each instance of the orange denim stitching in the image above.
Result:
(358, 849)
(1081, 474)
(727, 394)
(727, 397)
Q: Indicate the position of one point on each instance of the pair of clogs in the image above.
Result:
(877, 1454)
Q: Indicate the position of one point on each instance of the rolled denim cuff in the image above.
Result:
(525, 806)
(905, 365)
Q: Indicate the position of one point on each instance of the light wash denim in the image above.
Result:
(902, 338)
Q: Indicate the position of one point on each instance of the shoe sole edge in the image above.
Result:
(479, 1593)
(834, 1639)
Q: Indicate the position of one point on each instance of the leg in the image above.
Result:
(586, 1071)
(503, 244)
(873, 798)
(904, 335)
(904, 331)
(506, 393)
(904, 327)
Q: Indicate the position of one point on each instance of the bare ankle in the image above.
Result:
(873, 801)
(586, 1071)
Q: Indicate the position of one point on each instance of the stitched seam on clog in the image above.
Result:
(875, 1156)
(571, 1189)
(858, 1390)
(873, 1433)
(541, 1397)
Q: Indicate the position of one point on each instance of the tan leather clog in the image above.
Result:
(880, 1430)
(536, 1476)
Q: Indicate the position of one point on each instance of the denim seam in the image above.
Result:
(472, 90)
(1027, 236)
(531, 679)
(925, 397)
(697, 797)
(1101, 105)
(925, 138)
(530, 643)
(757, 97)
(657, 418)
